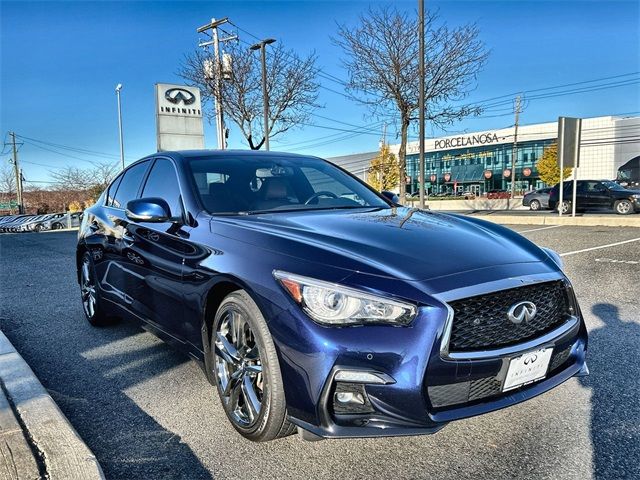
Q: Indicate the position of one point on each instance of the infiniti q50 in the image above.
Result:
(314, 303)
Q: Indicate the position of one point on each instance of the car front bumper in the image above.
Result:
(428, 388)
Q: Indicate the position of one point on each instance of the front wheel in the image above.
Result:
(535, 205)
(247, 371)
(623, 207)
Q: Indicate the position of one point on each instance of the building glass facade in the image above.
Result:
(479, 169)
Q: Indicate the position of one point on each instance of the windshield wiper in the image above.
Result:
(288, 210)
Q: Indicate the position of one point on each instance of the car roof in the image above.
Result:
(224, 154)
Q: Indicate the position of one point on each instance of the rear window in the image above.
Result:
(130, 184)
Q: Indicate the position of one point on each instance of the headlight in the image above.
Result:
(555, 257)
(636, 196)
(332, 304)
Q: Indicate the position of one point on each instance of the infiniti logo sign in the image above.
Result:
(522, 311)
(177, 95)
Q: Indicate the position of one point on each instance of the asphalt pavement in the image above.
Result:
(146, 411)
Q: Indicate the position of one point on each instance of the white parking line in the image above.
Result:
(541, 228)
(600, 247)
(613, 260)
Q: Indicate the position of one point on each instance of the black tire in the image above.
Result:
(56, 226)
(623, 207)
(237, 356)
(89, 290)
(566, 207)
(535, 205)
(37, 228)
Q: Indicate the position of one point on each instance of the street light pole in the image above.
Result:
(421, 99)
(118, 88)
(265, 95)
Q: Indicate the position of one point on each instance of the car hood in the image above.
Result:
(400, 242)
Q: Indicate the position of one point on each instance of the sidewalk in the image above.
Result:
(36, 439)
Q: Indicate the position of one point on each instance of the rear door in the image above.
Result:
(597, 195)
(119, 277)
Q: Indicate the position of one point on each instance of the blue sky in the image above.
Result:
(60, 62)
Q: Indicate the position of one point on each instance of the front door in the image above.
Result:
(156, 252)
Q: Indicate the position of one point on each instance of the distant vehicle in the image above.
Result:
(537, 199)
(496, 194)
(14, 225)
(629, 174)
(596, 194)
(59, 221)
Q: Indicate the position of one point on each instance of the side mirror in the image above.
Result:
(392, 197)
(151, 210)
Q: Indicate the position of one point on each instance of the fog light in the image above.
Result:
(350, 397)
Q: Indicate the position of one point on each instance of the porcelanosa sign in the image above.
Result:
(468, 141)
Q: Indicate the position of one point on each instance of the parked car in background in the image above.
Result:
(629, 174)
(310, 310)
(596, 195)
(12, 226)
(60, 221)
(497, 194)
(537, 199)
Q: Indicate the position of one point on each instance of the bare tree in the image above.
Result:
(381, 57)
(7, 184)
(291, 85)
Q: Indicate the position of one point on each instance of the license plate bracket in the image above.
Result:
(527, 368)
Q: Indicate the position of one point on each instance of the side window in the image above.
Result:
(163, 183)
(113, 188)
(128, 188)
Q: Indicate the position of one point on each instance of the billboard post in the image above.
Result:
(569, 133)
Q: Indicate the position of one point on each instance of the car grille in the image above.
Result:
(481, 322)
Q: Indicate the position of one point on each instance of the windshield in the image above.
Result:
(612, 185)
(262, 184)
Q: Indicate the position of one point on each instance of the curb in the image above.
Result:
(590, 221)
(53, 439)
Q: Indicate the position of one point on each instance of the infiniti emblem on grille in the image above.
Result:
(522, 311)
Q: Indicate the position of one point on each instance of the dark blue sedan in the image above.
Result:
(315, 304)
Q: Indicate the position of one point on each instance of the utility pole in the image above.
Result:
(265, 95)
(217, 90)
(421, 73)
(514, 151)
(18, 173)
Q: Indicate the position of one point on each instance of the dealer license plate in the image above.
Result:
(527, 368)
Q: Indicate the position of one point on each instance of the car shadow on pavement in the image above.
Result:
(615, 405)
(101, 378)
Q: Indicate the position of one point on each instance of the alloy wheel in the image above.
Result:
(535, 205)
(566, 207)
(239, 369)
(624, 207)
(88, 289)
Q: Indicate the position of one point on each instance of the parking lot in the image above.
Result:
(147, 411)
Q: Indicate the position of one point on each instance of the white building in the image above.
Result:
(482, 161)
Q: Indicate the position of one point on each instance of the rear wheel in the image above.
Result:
(535, 205)
(565, 207)
(623, 207)
(247, 371)
(90, 294)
